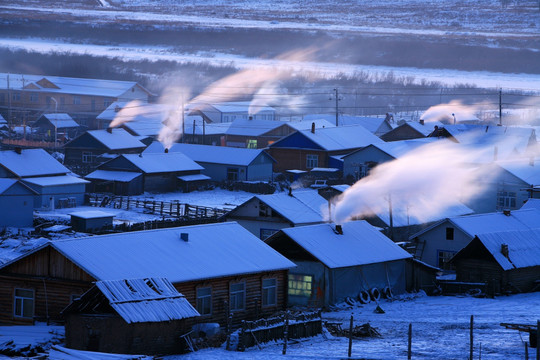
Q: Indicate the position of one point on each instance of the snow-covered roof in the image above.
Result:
(144, 109)
(55, 180)
(209, 153)
(531, 204)
(207, 129)
(401, 217)
(91, 214)
(31, 162)
(360, 244)
(424, 129)
(67, 85)
(146, 300)
(196, 177)
(61, 120)
(122, 176)
(342, 137)
(240, 107)
(253, 127)
(306, 124)
(117, 139)
(305, 206)
(212, 250)
(523, 170)
(492, 222)
(523, 247)
(162, 163)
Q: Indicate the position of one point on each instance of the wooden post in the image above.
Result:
(285, 333)
(409, 346)
(161, 208)
(350, 336)
(127, 205)
(471, 338)
(154, 207)
(526, 351)
(537, 339)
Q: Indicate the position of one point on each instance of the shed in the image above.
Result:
(56, 126)
(16, 204)
(116, 182)
(91, 220)
(129, 316)
(508, 261)
(57, 191)
(335, 262)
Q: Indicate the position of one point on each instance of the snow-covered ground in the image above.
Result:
(440, 330)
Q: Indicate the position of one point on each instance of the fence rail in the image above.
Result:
(172, 209)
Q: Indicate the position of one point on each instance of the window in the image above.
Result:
(442, 259)
(252, 144)
(269, 292)
(34, 97)
(238, 296)
(76, 100)
(266, 233)
(204, 300)
(93, 105)
(264, 210)
(449, 233)
(506, 199)
(16, 96)
(300, 285)
(24, 303)
(107, 102)
(88, 157)
(232, 174)
(62, 102)
(312, 161)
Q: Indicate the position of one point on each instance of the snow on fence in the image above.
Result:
(253, 333)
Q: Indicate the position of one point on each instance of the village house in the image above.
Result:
(411, 130)
(337, 262)
(31, 95)
(56, 127)
(19, 199)
(131, 316)
(315, 148)
(264, 215)
(94, 147)
(376, 125)
(507, 261)
(230, 111)
(159, 172)
(224, 163)
(52, 182)
(220, 268)
(438, 243)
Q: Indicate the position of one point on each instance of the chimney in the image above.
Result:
(109, 130)
(421, 121)
(184, 236)
(166, 150)
(338, 230)
(290, 191)
(18, 150)
(506, 212)
(250, 117)
(504, 250)
(313, 127)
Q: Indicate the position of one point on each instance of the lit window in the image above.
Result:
(238, 296)
(300, 285)
(312, 161)
(24, 303)
(252, 144)
(269, 292)
(204, 300)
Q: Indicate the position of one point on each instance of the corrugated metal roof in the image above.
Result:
(117, 139)
(498, 221)
(123, 176)
(162, 162)
(31, 162)
(55, 180)
(146, 300)
(342, 137)
(360, 244)
(304, 207)
(523, 247)
(61, 120)
(210, 154)
(212, 250)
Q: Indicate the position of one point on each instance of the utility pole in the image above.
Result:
(336, 94)
(500, 107)
(9, 103)
(182, 118)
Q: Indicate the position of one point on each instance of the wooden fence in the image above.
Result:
(299, 326)
(172, 209)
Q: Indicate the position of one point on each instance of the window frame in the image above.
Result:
(450, 233)
(300, 291)
(234, 295)
(87, 155)
(442, 257)
(265, 292)
(200, 301)
(312, 161)
(233, 171)
(22, 299)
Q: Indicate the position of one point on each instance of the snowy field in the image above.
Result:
(440, 331)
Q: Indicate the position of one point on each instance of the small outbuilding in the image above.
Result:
(91, 220)
(135, 316)
(20, 200)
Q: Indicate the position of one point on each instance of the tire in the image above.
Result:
(350, 301)
(375, 294)
(364, 297)
(387, 293)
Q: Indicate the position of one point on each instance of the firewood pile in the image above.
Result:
(359, 331)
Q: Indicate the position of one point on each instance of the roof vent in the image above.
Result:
(504, 250)
(184, 236)
(18, 150)
(338, 230)
(290, 191)
(506, 212)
